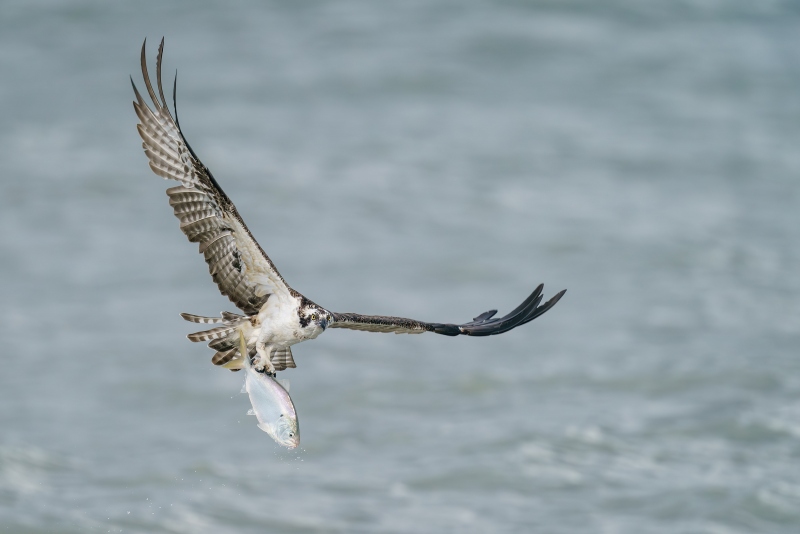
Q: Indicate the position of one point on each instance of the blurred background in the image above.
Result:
(430, 159)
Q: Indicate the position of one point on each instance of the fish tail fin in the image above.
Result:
(232, 338)
(224, 339)
(243, 348)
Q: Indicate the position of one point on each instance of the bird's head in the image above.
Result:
(314, 319)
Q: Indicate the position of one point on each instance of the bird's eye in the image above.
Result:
(313, 316)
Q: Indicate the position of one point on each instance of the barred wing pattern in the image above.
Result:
(240, 268)
(482, 325)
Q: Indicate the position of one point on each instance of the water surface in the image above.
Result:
(426, 159)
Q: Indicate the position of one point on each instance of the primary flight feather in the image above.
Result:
(275, 316)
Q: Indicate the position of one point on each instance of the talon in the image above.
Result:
(264, 366)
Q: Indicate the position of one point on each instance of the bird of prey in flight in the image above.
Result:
(274, 316)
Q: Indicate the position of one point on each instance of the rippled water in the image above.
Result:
(428, 159)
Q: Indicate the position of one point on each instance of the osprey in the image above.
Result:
(274, 316)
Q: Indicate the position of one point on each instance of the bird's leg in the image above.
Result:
(264, 363)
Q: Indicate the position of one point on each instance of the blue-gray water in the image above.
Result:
(431, 159)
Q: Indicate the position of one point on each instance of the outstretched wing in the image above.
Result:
(482, 325)
(238, 265)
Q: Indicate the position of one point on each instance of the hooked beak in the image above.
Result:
(323, 323)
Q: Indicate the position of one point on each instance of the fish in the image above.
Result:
(272, 405)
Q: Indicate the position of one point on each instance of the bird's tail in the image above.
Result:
(224, 339)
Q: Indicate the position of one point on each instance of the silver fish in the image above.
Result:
(271, 402)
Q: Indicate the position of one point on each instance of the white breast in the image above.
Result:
(280, 324)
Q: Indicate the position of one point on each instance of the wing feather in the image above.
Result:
(236, 262)
(482, 325)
